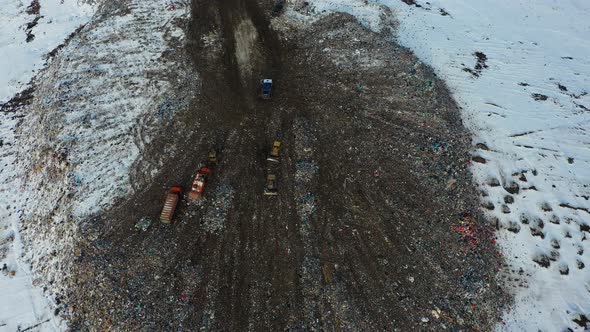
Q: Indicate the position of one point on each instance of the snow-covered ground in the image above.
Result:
(520, 70)
(29, 30)
(69, 153)
(21, 304)
(44, 27)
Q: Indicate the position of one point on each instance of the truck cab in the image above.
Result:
(198, 186)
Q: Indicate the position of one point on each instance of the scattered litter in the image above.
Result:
(143, 224)
(428, 86)
(218, 205)
(436, 313)
(471, 232)
(168, 106)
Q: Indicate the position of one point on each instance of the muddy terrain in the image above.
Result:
(375, 226)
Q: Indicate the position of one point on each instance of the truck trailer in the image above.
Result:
(172, 199)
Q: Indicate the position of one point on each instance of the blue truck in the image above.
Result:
(266, 88)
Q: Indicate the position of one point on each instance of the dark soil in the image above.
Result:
(33, 9)
(582, 321)
(20, 100)
(409, 2)
(480, 64)
(539, 97)
(375, 227)
(481, 60)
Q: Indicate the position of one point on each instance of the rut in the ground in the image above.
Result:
(359, 236)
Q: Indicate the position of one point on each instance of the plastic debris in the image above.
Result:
(143, 224)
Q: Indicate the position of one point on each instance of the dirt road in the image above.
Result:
(372, 178)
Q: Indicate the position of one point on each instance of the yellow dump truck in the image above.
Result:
(274, 152)
(213, 157)
(271, 185)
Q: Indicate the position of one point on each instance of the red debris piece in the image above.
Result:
(473, 233)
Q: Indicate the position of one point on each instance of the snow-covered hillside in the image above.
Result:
(68, 153)
(521, 72)
(29, 31)
(21, 304)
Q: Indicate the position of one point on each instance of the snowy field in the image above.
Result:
(520, 70)
(29, 30)
(69, 153)
(21, 304)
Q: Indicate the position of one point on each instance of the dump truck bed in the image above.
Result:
(169, 207)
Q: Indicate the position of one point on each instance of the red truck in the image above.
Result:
(172, 199)
(199, 183)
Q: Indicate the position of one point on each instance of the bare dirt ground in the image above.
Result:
(375, 226)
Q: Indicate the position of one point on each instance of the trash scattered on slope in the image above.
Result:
(143, 224)
(218, 205)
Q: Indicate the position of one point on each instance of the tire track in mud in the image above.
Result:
(327, 253)
(226, 115)
(247, 248)
(306, 173)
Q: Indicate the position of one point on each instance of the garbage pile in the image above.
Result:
(217, 209)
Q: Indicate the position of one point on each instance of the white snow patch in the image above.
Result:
(69, 154)
(93, 111)
(528, 102)
(21, 60)
(23, 305)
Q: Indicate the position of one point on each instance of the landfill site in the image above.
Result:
(315, 177)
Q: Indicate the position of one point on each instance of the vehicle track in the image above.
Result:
(249, 245)
(335, 250)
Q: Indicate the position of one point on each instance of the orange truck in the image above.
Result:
(172, 199)
(199, 183)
